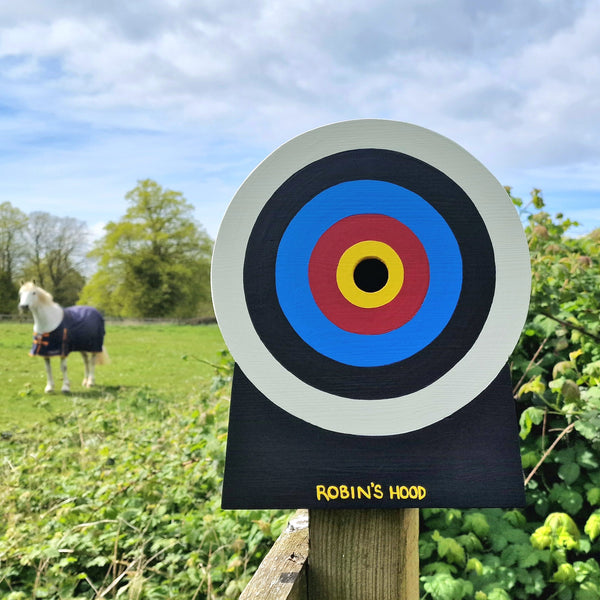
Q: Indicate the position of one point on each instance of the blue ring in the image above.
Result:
(367, 197)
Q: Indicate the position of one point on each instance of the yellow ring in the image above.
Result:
(363, 251)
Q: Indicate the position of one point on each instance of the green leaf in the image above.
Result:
(592, 370)
(589, 426)
(470, 542)
(564, 593)
(576, 354)
(474, 564)
(558, 531)
(569, 499)
(565, 368)
(532, 558)
(535, 583)
(592, 396)
(587, 459)
(521, 554)
(542, 537)
(593, 496)
(559, 522)
(435, 568)
(535, 386)
(529, 459)
(592, 526)
(585, 545)
(510, 555)
(477, 523)
(548, 326)
(98, 561)
(426, 548)
(588, 569)
(570, 391)
(451, 550)
(537, 199)
(564, 456)
(564, 574)
(530, 416)
(569, 472)
(445, 587)
(515, 517)
(588, 591)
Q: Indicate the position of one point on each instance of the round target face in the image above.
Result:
(371, 277)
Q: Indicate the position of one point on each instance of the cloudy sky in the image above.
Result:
(95, 95)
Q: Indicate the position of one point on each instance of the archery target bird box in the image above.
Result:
(371, 279)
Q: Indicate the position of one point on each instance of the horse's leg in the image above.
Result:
(86, 368)
(66, 386)
(91, 370)
(49, 379)
(84, 356)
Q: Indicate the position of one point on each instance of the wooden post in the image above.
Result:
(363, 554)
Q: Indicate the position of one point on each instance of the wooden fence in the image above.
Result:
(343, 555)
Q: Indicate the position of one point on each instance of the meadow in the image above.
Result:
(171, 358)
(115, 491)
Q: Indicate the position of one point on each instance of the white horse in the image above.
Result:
(58, 331)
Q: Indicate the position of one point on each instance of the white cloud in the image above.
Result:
(106, 93)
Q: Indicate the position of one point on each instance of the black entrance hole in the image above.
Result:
(370, 275)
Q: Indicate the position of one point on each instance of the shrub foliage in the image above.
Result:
(122, 499)
(549, 549)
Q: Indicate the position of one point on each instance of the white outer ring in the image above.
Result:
(456, 388)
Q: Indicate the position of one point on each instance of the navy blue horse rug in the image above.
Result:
(81, 330)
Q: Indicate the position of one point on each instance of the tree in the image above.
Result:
(12, 252)
(44, 247)
(155, 261)
(13, 224)
(57, 248)
(56, 255)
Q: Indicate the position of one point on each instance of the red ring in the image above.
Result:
(323, 265)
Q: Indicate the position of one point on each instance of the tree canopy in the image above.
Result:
(13, 223)
(56, 254)
(44, 247)
(154, 261)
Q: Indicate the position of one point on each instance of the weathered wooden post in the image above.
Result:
(371, 279)
(366, 554)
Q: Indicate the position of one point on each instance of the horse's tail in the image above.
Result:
(103, 358)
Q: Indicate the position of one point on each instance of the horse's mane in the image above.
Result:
(44, 296)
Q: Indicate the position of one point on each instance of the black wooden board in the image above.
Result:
(469, 459)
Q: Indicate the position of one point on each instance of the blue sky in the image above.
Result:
(194, 94)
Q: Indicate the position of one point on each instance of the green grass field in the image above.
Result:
(142, 356)
(115, 492)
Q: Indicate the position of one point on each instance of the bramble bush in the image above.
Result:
(550, 548)
(121, 499)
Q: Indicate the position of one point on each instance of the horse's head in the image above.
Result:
(31, 296)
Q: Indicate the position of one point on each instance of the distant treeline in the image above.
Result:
(152, 263)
